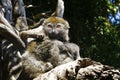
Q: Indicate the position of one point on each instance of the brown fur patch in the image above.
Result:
(31, 46)
(54, 19)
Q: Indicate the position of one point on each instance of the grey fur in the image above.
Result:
(54, 50)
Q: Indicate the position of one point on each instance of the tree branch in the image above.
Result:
(82, 69)
(6, 29)
(19, 12)
(60, 9)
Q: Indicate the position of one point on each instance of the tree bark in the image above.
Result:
(12, 44)
(82, 69)
(20, 15)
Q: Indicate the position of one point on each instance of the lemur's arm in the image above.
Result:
(33, 33)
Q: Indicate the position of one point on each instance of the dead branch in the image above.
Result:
(19, 12)
(82, 69)
(6, 29)
(60, 9)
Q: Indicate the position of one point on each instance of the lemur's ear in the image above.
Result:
(59, 10)
(67, 24)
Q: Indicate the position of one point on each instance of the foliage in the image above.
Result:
(91, 28)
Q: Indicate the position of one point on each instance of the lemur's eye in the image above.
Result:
(50, 26)
(58, 26)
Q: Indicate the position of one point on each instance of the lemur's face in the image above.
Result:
(56, 28)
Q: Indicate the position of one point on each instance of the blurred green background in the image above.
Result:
(95, 26)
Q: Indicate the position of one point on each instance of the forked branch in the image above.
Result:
(60, 9)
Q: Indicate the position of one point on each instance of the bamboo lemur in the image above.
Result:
(54, 50)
